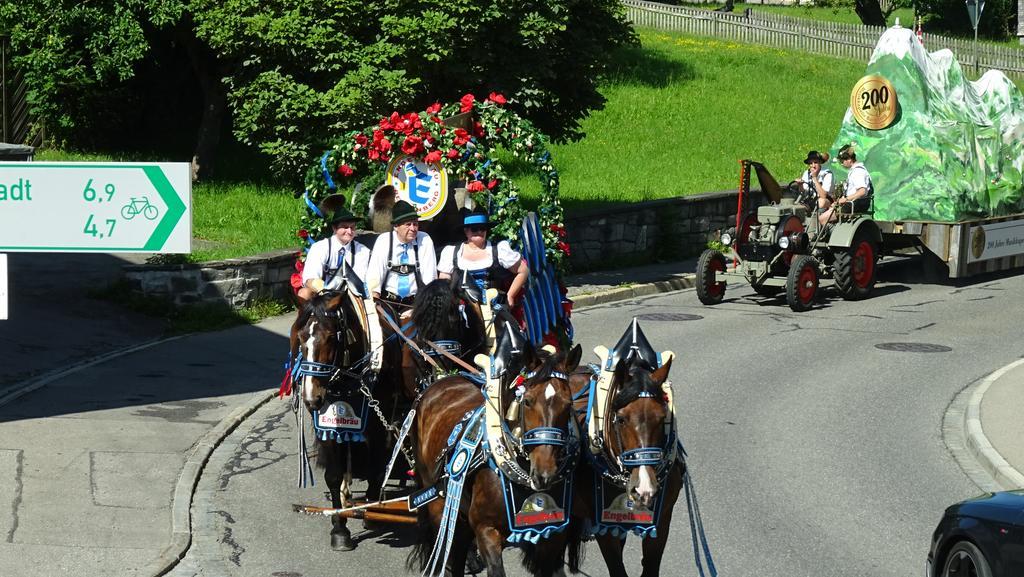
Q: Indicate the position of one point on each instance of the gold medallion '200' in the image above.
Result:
(873, 102)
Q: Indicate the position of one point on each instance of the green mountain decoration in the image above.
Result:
(955, 150)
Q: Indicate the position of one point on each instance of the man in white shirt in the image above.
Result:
(858, 184)
(334, 261)
(403, 259)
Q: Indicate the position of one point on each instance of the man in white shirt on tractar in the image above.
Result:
(403, 259)
(859, 189)
(331, 261)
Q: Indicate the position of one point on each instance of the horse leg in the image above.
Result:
(341, 537)
(550, 556)
(461, 543)
(654, 547)
(490, 543)
(611, 550)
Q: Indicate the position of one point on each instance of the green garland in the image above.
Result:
(360, 158)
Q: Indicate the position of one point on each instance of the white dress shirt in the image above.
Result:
(379, 261)
(323, 255)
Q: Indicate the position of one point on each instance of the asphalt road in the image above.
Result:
(816, 452)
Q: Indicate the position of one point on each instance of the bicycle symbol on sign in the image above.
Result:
(139, 206)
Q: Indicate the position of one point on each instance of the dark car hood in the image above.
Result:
(1004, 506)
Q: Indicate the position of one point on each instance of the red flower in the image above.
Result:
(299, 265)
(296, 281)
(373, 154)
(412, 145)
(407, 124)
(558, 229)
(493, 183)
(432, 157)
(564, 247)
(475, 186)
(434, 108)
(361, 141)
(345, 170)
(303, 233)
(461, 136)
(478, 129)
(497, 98)
(467, 102)
(453, 154)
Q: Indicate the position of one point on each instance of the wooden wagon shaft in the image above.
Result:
(371, 515)
(398, 504)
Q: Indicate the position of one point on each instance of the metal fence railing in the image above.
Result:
(831, 38)
(15, 121)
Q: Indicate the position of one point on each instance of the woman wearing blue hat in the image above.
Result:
(487, 264)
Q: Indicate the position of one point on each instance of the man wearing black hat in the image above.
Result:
(817, 181)
(330, 260)
(403, 259)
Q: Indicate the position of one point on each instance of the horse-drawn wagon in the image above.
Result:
(541, 453)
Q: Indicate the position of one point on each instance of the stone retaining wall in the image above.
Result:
(626, 235)
(643, 232)
(236, 281)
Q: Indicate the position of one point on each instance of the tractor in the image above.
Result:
(781, 247)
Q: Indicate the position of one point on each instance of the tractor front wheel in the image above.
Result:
(802, 283)
(710, 290)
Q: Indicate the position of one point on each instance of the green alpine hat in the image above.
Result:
(342, 214)
(403, 212)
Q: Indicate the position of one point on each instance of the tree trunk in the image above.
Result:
(870, 12)
(207, 70)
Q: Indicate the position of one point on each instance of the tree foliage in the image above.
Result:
(296, 73)
(998, 19)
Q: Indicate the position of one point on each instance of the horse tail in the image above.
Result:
(434, 310)
(420, 554)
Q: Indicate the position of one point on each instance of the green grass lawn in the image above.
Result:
(682, 111)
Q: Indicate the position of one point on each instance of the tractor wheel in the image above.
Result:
(854, 269)
(802, 283)
(710, 290)
(766, 290)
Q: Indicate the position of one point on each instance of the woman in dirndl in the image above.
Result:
(480, 262)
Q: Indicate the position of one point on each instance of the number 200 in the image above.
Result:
(875, 97)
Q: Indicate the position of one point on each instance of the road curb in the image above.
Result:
(676, 282)
(184, 491)
(12, 392)
(978, 444)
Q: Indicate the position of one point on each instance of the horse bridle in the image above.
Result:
(330, 371)
(552, 436)
(641, 456)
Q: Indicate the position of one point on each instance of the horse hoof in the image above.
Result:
(342, 542)
(474, 562)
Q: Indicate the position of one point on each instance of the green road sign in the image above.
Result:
(95, 207)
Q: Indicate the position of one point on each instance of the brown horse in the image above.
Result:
(637, 421)
(546, 405)
(334, 349)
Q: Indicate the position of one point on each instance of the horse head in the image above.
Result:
(545, 413)
(636, 427)
(327, 344)
(442, 316)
